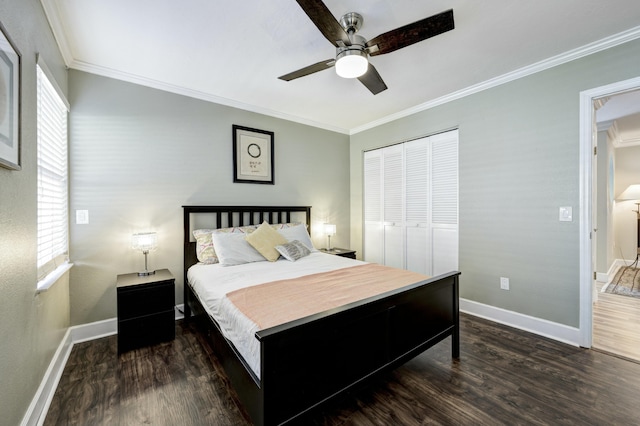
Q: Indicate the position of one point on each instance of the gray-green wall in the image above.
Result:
(519, 162)
(139, 154)
(32, 325)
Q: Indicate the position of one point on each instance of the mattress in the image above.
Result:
(211, 284)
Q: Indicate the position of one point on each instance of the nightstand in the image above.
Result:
(145, 309)
(351, 254)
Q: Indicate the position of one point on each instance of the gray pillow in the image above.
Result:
(293, 250)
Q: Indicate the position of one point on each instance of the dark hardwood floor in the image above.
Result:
(504, 376)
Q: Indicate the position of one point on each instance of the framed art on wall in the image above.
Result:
(252, 155)
(9, 102)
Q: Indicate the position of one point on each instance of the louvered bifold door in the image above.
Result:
(393, 202)
(444, 202)
(418, 249)
(373, 229)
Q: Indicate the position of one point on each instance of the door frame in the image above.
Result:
(587, 195)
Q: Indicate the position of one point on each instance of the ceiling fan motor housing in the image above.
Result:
(351, 22)
(352, 61)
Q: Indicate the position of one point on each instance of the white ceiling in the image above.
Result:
(232, 52)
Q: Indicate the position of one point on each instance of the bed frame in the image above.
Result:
(307, 362)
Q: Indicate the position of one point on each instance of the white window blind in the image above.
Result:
(52, 175)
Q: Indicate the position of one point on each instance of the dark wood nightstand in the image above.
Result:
(146, 313)
(351, 254)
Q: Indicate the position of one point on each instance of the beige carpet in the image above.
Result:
(626, 282)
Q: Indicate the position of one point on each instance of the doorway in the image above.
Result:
(590, 313)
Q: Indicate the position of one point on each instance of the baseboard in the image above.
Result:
(608, 276)
(541, 327)
(42, 399)
(39, 406)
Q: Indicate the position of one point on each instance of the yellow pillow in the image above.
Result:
(264, 240)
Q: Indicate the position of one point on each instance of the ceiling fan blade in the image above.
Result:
(320, 15)
(320, 66)
(372, 80)
(411, 33)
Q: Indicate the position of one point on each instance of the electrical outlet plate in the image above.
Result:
(504, 283)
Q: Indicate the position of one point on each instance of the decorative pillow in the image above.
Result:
(204, 246)
(278, 226)
(265, 239)
(233, 249)
(293, 251)
(300, 233)
(205, 251)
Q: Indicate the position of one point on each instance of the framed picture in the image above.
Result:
(9, 102)
(252, 155)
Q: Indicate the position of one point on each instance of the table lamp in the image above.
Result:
(145, 242)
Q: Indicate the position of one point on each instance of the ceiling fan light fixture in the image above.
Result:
(351, 63)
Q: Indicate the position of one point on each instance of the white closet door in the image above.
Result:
(373, 231)
(393, 201)
(411, 205)
(418, 253)
(444, 201)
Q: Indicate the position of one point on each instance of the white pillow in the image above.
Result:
(233, 249)
(293, 251)
(298, 232)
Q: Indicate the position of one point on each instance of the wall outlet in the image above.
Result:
(504, 283)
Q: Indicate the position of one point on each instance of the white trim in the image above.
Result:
(586, 194)
(55, 21)
(52, 12)
(541, 327)
(197, 94)
(50, 279)
(179, 311)
(37, 411)
(94, 330)
(42, 399)
(54, 83)
(571, 55)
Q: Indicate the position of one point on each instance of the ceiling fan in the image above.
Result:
(353, 51)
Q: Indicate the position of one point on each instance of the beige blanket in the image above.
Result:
(279, 302)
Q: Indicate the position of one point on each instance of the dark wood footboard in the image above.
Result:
(307, 362)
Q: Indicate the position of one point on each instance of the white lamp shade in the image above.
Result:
(631, 193)
(329, 229)
(351, 65)
(145, 241)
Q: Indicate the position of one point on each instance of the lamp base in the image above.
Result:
(146, 273)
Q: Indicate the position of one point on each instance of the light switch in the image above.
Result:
(566, 214)
(82, 217)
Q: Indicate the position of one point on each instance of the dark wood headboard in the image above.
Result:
(228, 216)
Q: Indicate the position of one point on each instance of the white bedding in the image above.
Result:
(211, 283)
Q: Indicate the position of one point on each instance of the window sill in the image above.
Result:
(47, 282)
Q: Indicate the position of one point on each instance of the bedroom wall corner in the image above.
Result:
(33, 325)
(138, 154)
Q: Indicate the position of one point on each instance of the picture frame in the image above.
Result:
(10, 93)
(253, 156)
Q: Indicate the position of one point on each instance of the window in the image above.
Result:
(53, 215)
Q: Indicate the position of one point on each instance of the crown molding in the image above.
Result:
(179, 90)
(52, 13)
(604, 126)
(571, 55)
(55, 21)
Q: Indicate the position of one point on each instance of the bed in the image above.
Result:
(307, 361)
